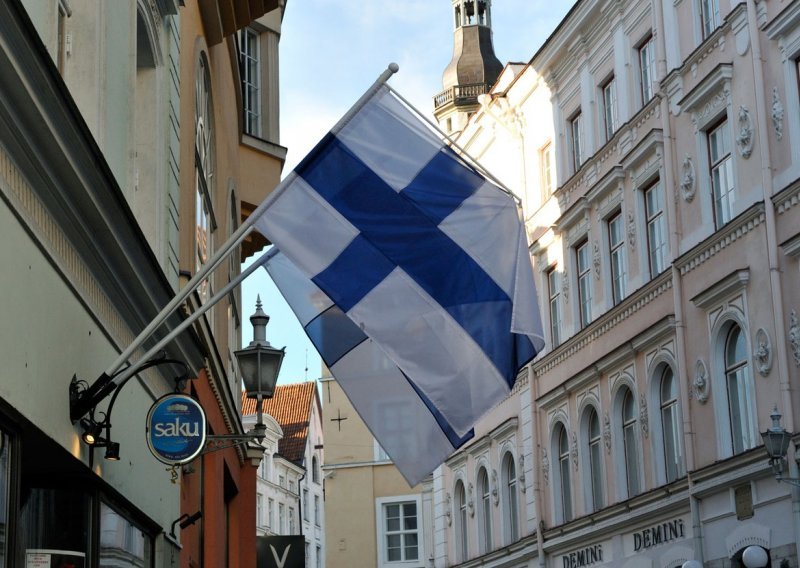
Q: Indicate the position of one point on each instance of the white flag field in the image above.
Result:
(411, 275)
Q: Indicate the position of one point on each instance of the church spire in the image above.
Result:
(474, 67)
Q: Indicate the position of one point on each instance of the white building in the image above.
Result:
(290, 497)
(655, 146)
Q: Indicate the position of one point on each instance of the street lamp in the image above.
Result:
(755, 557)
(776, 442)
(259, 364)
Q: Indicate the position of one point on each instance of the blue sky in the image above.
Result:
(330, 53)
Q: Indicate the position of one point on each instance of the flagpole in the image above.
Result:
(237, 237)
(475, 163)
(122, 377)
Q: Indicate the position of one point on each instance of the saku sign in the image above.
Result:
(176, 429)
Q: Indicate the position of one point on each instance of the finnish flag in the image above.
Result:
(413, 260)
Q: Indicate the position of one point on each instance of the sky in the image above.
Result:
(330, 53)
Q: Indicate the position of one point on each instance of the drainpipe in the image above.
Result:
(300, 502)
(537, 490)
(675, 235)
(761, 121)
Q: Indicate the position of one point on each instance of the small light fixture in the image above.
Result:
(776, 443)
(755, 557)
(112, 451)
(91, 432)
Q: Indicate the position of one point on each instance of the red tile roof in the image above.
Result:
(290, 406)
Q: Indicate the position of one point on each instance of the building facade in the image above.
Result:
(123, 163)
(290, 494)
(653, 146)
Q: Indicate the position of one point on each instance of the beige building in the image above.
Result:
(655, 146)
(373, 518)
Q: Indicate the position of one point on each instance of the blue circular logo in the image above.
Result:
(176, 429)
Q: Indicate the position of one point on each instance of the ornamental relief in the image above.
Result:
(545, 466)
(607, 432)
(700, 384)
(643, 416)
(794, 337)
(762, 356)
(711, 108)
(631, 230)
(777, 113)
(687, 179)
(596, 259)
(744, 139)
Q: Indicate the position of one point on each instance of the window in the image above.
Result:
(576, 141)
(282, 481)
(314, 469)
(510, 504)
(546, 168)
(565, 491)
(317, 511)
(619, 269)
(379, 453)
(204, 174)
(647, 69)
(291, 521)
(484, 512)
(271, 513)
(305, 504)
(594, 465)
(583, 263)
(259, 509)
(319, 556)
(281, 518)
(251, 81)
(400, 537)
(629, 443)
(120, 538)
(461, 522)
(656, 238)
(737, 381)
(721, 162)
(554, 288)
(670, 424)
(291, 485)
(609, 91)
(709, 16)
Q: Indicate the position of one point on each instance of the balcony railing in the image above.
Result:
(461, 94)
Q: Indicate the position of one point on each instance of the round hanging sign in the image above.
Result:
(176, 429)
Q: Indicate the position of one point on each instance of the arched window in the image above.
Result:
(629, 443)
(314, 469)
(737, 381)
(484, 512)
(510, 505)
(673, 457)
(461, 522)
(563, 478)
(204, 173)
(593, 465)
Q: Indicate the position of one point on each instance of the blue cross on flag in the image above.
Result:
(410, 273)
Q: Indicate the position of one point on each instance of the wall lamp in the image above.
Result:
(259, 364)
(83, 401)
(776, 442)
(184, 521)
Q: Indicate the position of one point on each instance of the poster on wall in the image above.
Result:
(39, 558)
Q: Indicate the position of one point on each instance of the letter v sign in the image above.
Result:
(282, 561)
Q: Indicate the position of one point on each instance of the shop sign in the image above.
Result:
(659, 534)
(583, 557)
(41, 558)
(176, 429)
(280, 551)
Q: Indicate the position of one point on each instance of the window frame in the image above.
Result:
(510, 478)
(576, 140)
(592, 436)
(563, 486)
(745, 426)
(608, 95)
(722, 203)
(484, 492)
(646, 57)
(251, 85)
(671, 446)
(584, 281)
(555, 310)
(461, 527)
(617, 256)
(546, 170)
(381, 505)
(709, 22)
(655, 221)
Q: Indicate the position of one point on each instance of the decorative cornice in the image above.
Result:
(504, 430)
(722, 239)
(605, 323)
(787, 198)
(714, 294)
